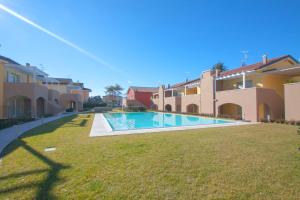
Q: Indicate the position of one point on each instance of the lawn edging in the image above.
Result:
(8, 135)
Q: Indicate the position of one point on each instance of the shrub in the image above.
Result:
(281, 121)
(135, 109)
(6, 123)
(298, 123)
(69, 110)
(292, 122)
(264, 120)
(48, 115)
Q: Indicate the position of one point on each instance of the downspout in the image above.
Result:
(214, 91)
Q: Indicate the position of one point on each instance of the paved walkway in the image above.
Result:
(10, 134)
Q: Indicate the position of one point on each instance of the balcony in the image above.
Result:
(73, 101)
(29, 90)
(188, 100)
(172, 103)
(250, 104)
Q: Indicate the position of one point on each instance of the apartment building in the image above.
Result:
(139, 97)
(269, 89)
(112, 101)
(28, 92)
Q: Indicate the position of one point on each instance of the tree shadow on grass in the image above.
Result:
(45, 186)
(50, 127)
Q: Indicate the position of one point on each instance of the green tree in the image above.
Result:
(113, 91)
(92, 102)
(220, 66)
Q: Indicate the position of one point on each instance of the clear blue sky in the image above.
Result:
(147, 43)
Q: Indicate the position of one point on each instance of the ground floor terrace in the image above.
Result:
(31, 100)
(253, 104)
(180, 104)
(245, 162)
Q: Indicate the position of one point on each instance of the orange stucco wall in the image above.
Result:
(292, 101)
(207, 93)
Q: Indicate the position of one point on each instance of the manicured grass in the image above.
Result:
(245, 162)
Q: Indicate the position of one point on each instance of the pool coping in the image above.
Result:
(101, 127)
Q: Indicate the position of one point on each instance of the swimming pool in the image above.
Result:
(150, 120)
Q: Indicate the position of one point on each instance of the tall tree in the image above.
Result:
(113, 91)
(220, 66)
(92, 102)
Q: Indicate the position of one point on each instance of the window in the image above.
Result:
(249, 84)
(13, 78)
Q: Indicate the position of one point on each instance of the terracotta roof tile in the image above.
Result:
(255, 66)
(185, 83)
(144, 89)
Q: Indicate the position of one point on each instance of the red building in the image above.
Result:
(140, 96)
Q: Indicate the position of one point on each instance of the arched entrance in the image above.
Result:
(40, 107)
(168, 108)
(231, 110)
(264, 112)
(192, 108)
(19, 107)
(72, 105)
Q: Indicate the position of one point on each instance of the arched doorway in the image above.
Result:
(192, 108)
(19, 107)
(231, 110)
(72, 106)
(40, 107)
(168, 108)
(264, 112)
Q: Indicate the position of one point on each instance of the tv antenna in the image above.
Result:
(245, 57)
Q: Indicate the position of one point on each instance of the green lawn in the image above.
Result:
(245, 162)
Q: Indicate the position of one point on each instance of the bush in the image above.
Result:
(69, 110)
(264, 120)
(6, 123)
(292, 122)
(135, 109)
(280, 121)
(48, 115)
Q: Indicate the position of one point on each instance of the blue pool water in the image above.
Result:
(145, 120)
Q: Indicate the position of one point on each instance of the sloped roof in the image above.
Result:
(64, 80)
(143, 89)
(8, 60)
(256, 66)
(185, 83)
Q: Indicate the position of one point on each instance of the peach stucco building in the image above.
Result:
(269, 89)
(28, 92)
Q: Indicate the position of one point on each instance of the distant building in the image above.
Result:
(139, 96)
(28, 92)
(112, 101)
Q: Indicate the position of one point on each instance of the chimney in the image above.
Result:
(264, 59)
(217, 72)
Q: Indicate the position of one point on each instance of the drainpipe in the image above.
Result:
(214, 91)
(244, 80)
(214, 96)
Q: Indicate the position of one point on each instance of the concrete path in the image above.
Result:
(10, 134)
